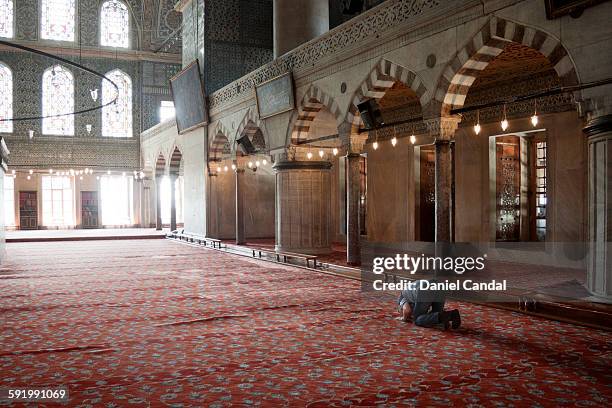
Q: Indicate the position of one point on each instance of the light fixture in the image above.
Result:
(88, 127)
(218, 169)
(375, 145)
(94, 94)
(123, 174)
(477, 125)
(394, 141)
(264, 162)
(97, 177)
(250, 164)
(233, 167)
(108, 172)
(225, 168)
(86, 170)
(504, 122)
(309, 155)
(50, 171)
(412, 139)
(13, 171)
(31, 134)
(81, 178)
(31, 171)
(321, 153)
(534, 118)
(72, 172)
(335, 151)
(29, 177)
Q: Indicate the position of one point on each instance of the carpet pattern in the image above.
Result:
(160, 324)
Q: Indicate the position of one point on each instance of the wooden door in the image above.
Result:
(89, 209)
(427, 190)
(28, 210)
(508, 188)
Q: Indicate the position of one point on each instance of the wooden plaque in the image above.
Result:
(189, 99)
(275, 96)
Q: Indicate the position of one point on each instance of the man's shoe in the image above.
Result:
(443, 318)
(455, 318)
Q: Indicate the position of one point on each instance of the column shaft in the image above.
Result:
(599, 267)
(353, 197)
(158, 219)
(240, 236)
(443, 190)
(172, 202)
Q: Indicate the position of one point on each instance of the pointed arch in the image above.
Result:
(461, 72)
(313, 102)
(378, 82)
(175, 161)
(251, 126)
(114, 24)
(219, 148)
(160, 165)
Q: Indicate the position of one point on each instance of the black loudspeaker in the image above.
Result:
(246, 145)
(370, 114)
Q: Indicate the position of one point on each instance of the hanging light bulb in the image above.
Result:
(375, 145)
(265, 162)
(250, 164)
(94, 94)
(335, 151)
(29, 177)
(218, 169)
(88, 127)
(141, 174)
(81, 178)
(31, 171)
(321, 153)
(412, 139)
(225, 168)
(504, 122)
(123, 174)
(50, 171)
(233, 167)
(534, 118)
(394, 141)
(31, 134)
(477, 125)
(108, 172)
(86, 170)
(257, 163)
(309, 155)
(97, 177)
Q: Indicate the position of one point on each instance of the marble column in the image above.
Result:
(443, 129)
(240, 236)
(173, 178)
(297, 22)
(303, 206)
(353, 198)
(158, 222)
(599, 268)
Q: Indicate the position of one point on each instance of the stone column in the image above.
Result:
(297, 22)
(599, 268)
(173, 178)
(240, 237)
(444, 131)
(158, 223)
(353, 197)
(303, 206)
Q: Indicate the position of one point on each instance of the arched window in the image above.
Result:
(6, 18)
(58, 99)
(6, 98)
(57, 20)
(114, 24)
(117, 117)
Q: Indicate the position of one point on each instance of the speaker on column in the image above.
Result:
(370, 114)
(246, 144)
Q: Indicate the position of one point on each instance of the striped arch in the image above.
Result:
(220, 147)
(462, 71)
(313, 102)
(160, 165)
(378, 82)
(175, 161)
(251, 126)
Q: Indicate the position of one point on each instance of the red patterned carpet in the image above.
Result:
(159, 324)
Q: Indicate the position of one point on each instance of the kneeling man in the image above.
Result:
(426, 307)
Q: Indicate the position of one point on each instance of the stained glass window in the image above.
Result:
(115, 24)
(58, 99)
(6, 98)
(117, 117)
(6, 18)
(57, 20)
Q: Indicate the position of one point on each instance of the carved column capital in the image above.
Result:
(443, 128)
(357, 143)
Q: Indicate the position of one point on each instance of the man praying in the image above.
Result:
(426, 307)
